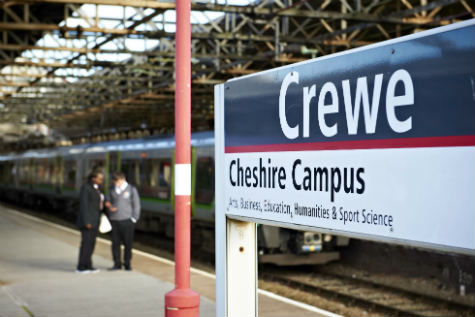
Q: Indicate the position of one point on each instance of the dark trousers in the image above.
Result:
(88, 242)
(122, 233)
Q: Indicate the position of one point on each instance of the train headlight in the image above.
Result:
(312, 238)
(327, 238)
(308, 237)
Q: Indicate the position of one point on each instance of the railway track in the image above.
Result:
(376, 298)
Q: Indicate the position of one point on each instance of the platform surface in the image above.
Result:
(37, 277)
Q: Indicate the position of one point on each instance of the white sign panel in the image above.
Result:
(388, 193)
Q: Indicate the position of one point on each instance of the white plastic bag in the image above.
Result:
(105, 225)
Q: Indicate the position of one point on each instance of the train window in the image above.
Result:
(26, 172)
(166, 173)
(57, 175)
(22, 173)
(131, 170)
(16, 173)
(46, 171)
(113, 163)
(155, 176)
(136, 172)
(93, 165)
(9, 173)
(204, 184)
(69, 174)
(42, 171)
(96, 165)
(3, 171)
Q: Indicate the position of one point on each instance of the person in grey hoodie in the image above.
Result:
(123, 203)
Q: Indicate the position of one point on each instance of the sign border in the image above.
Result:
(223, 231)
(220, 91)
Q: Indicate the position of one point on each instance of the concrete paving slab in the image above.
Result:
(11, 306)
(40, 273)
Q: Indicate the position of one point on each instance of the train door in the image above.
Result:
(58, 175)
(114, 165)
(69, 174)
(99, 162)
(155, 179)
(26, 173)
(114, 162)
(16, 173)
(203, 184)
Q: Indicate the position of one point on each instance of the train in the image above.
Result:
(52, 178)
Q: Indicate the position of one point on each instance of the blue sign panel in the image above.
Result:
(407, 93)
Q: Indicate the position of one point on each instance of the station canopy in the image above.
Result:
(89, 70)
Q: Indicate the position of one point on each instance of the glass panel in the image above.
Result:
(45, 169)
(204, 188)
(26, 172)
(4, 172)
(136, 176)
(96, 165)
(69, 174)
(131, 169)
(113, 164)
(166, 173)
(155, 177)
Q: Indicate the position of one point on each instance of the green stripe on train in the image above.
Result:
(155, 200)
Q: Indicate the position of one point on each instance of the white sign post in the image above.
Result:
(375, 143)
(236, 245)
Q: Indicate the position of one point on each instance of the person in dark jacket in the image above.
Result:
(91, 203)
(123, 203)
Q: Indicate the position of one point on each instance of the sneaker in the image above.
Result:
(83, 271)
(114, 268)
(127, 268)
(93, 270)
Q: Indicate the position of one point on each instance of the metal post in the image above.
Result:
(182, 301)
(220, 206)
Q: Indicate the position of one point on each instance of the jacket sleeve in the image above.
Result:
(84, 206)
(107, 197)
(135, 204)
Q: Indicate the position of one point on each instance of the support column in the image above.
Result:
(182, 301)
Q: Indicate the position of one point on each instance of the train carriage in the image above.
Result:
(52, 177)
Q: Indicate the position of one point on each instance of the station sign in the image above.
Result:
(375, 143)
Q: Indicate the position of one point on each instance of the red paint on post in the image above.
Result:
(182, 301)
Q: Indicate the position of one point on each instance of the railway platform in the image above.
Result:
(37, 277)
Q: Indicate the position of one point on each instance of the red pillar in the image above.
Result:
(182, 301)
